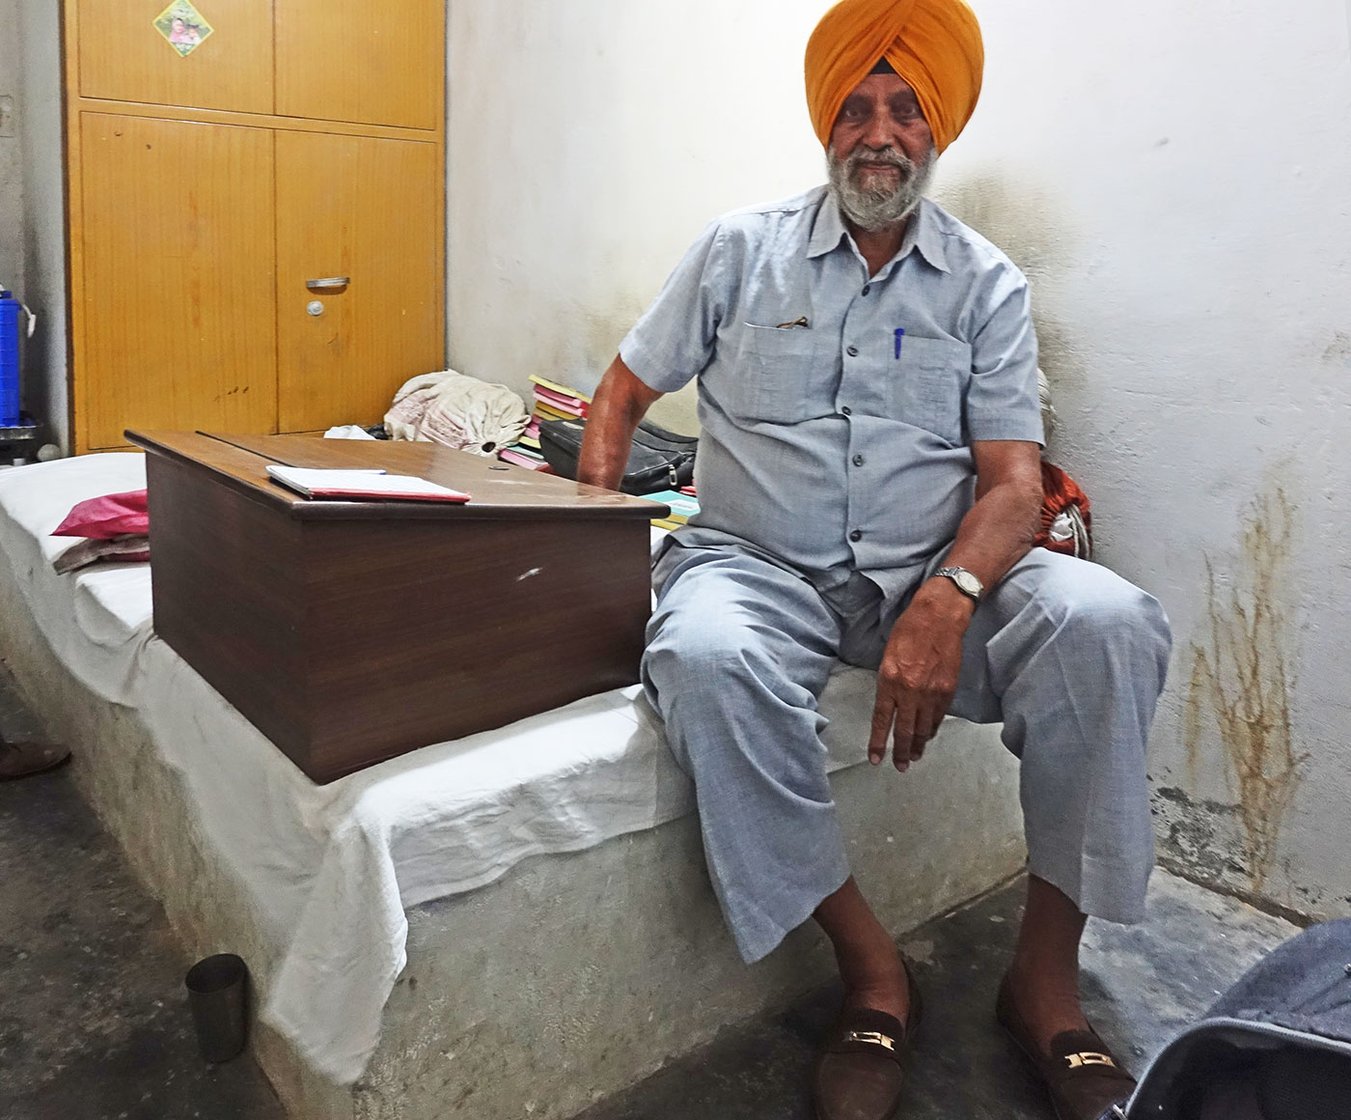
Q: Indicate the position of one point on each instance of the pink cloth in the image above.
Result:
(108, 517)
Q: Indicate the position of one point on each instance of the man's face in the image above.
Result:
(881, 152)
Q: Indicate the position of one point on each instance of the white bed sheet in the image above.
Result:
(331, 869)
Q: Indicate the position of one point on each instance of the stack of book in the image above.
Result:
(684, 505)
(553, 401)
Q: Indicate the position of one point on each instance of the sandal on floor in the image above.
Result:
(859, 1073)
(19, 760)
(1084, 1080)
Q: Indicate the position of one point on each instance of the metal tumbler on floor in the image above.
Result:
(218, 997)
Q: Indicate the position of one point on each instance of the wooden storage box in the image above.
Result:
(351, 632)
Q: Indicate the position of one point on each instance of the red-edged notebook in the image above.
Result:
(361, 486)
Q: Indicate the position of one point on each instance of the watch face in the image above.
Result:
(967, 582)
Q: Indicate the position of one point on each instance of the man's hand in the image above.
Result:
(923, 659)
(918, 674)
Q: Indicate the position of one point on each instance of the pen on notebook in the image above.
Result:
(900, 337)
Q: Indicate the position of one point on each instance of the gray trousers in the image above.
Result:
(1070, 657)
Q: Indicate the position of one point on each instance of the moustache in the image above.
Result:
(888, 156)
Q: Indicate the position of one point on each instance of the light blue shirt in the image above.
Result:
(843, 444)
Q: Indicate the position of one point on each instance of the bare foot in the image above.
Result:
(870, 964)
(1043, 982)
(890, 995)
(1047, 1007)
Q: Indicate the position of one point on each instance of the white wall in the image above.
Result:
(46, 393)
(1175, 181)
(589, 143)
(11, 166)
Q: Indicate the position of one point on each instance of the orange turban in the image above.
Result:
(934, 45)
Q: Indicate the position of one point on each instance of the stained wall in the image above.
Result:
(1175, 184)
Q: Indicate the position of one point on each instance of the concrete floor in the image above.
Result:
(94, 1023)
(1140, 984)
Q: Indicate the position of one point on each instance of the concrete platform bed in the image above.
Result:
(567, 978)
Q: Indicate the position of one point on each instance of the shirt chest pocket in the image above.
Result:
(782, 374)
(928, 385)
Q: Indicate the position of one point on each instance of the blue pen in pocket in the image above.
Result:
(900, 337)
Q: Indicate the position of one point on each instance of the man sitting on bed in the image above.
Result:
(869, 481)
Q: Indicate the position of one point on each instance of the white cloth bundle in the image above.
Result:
(458, 411)
(1049, 416)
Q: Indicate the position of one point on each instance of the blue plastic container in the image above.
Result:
(10, 316)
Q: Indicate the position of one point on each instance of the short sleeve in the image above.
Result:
(675, 338)
(1002, 401)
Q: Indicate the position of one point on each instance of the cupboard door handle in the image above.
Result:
(328, 284)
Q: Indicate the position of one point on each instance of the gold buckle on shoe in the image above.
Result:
(1088, 1058)
(874, 1038)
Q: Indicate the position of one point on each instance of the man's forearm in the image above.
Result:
(621, 400)
(997, 532)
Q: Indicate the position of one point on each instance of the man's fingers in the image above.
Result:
(918, 741)
(906, 729)
(883, 712)
(909, 717)
(929, 723)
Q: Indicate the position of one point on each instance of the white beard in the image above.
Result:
(875, 208)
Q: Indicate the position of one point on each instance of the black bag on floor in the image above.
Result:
(658, 460)
(1277, 1046)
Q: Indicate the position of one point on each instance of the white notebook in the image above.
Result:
(362, 485)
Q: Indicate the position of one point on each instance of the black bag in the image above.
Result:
(658, 460)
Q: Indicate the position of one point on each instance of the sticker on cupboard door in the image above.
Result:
(184, 28)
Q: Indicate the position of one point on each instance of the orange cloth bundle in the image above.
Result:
(935, 45)
(1066, 514)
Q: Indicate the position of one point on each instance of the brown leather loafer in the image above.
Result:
(860, 1072)
(1084, 1080)
(19, 760)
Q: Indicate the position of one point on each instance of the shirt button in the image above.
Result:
(856, 535)
(858, 460)
(867, 288)
(852, 351)
(846, 411)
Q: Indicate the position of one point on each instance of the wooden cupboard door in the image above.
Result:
(367, 211)
(174, 297)
(362, 62)
(219, 59)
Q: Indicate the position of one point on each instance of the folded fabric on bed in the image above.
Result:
(97, 620)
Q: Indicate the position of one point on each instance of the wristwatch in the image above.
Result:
(966, 583)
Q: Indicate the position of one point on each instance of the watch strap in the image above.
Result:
(955, 574)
